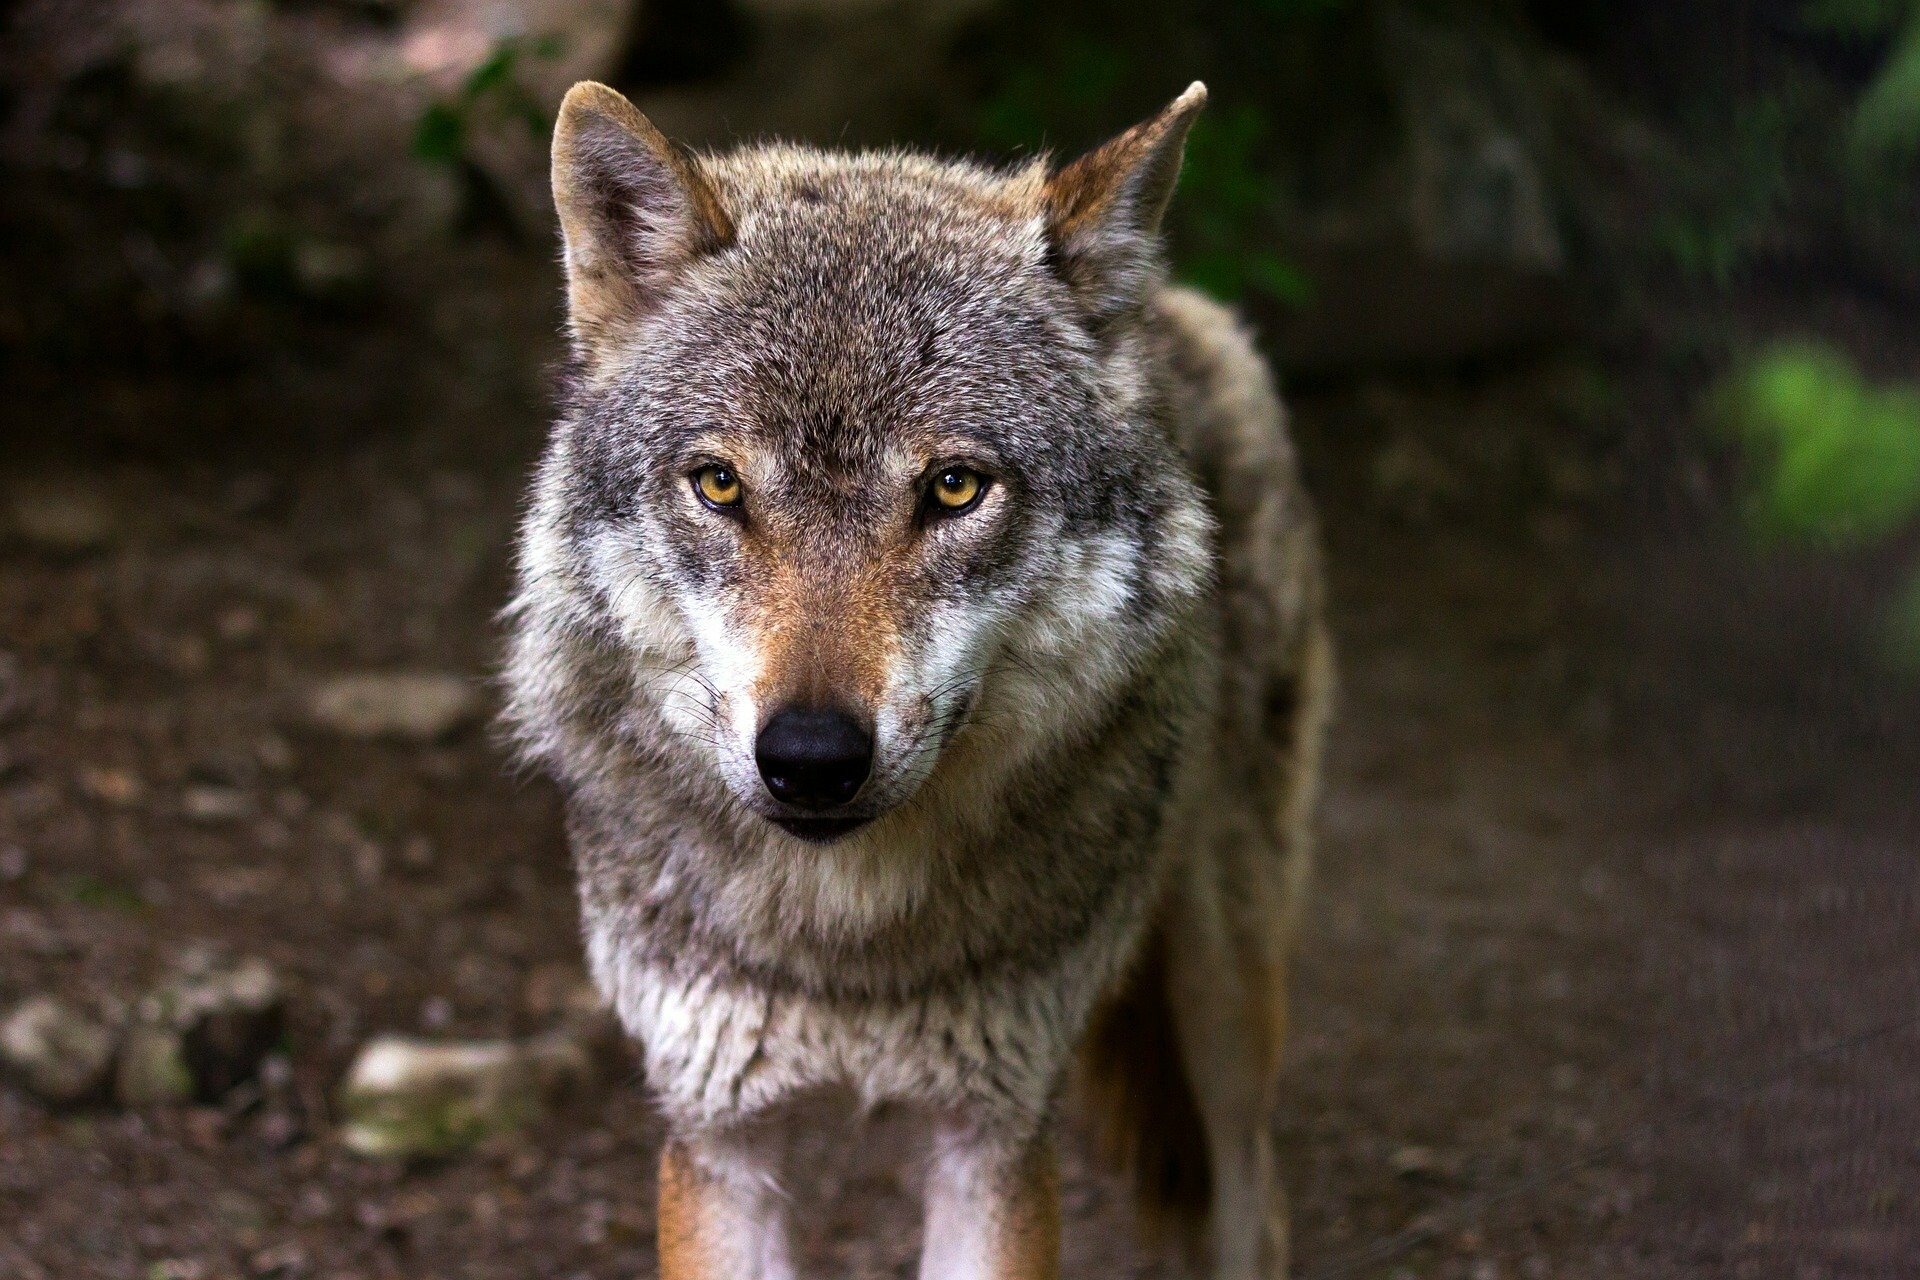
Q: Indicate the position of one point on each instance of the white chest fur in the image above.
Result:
(718, 1050)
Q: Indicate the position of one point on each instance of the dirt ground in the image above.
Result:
(1616, 826)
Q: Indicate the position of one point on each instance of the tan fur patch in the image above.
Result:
(1139, 166)
(825, 635)
(687, 1249)
(1029, 1247)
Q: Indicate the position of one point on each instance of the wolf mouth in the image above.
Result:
(819, 830)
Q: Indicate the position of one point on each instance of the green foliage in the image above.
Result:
(1838, 458)
(492, 91)
(1837, 463)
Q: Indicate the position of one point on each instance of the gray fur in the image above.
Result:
(1100, 685)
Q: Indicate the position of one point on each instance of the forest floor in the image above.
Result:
(1614, 828)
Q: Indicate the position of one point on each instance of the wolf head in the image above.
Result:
(862, 451)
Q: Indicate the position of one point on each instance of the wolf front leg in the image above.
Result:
(993, 1210)
(723, 1215)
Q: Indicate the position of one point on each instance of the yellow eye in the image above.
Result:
(717, 486)
(956, 488)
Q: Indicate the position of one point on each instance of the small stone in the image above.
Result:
(276, 1074)
(66, 514)
(213, 805)
(212, 1023)
(313, 1205)
(13, 863)
(412, 706)
(56, 1050)
(1417, 1164)
(407, 1098)
(369, 862)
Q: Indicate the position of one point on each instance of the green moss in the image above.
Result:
(1837, 458)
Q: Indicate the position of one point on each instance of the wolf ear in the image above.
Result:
(634, 208)
(1104, 209)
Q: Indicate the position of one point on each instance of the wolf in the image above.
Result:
(920, 610)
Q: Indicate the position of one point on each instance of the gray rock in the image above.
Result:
(412, 706)
(407, 1098)
(58, 1051)
(201, 1032)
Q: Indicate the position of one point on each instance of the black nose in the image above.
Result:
(813, 759)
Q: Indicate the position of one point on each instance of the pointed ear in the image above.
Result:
(1104, 209)
(634, 208)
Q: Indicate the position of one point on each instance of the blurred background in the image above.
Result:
(1598, 323)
